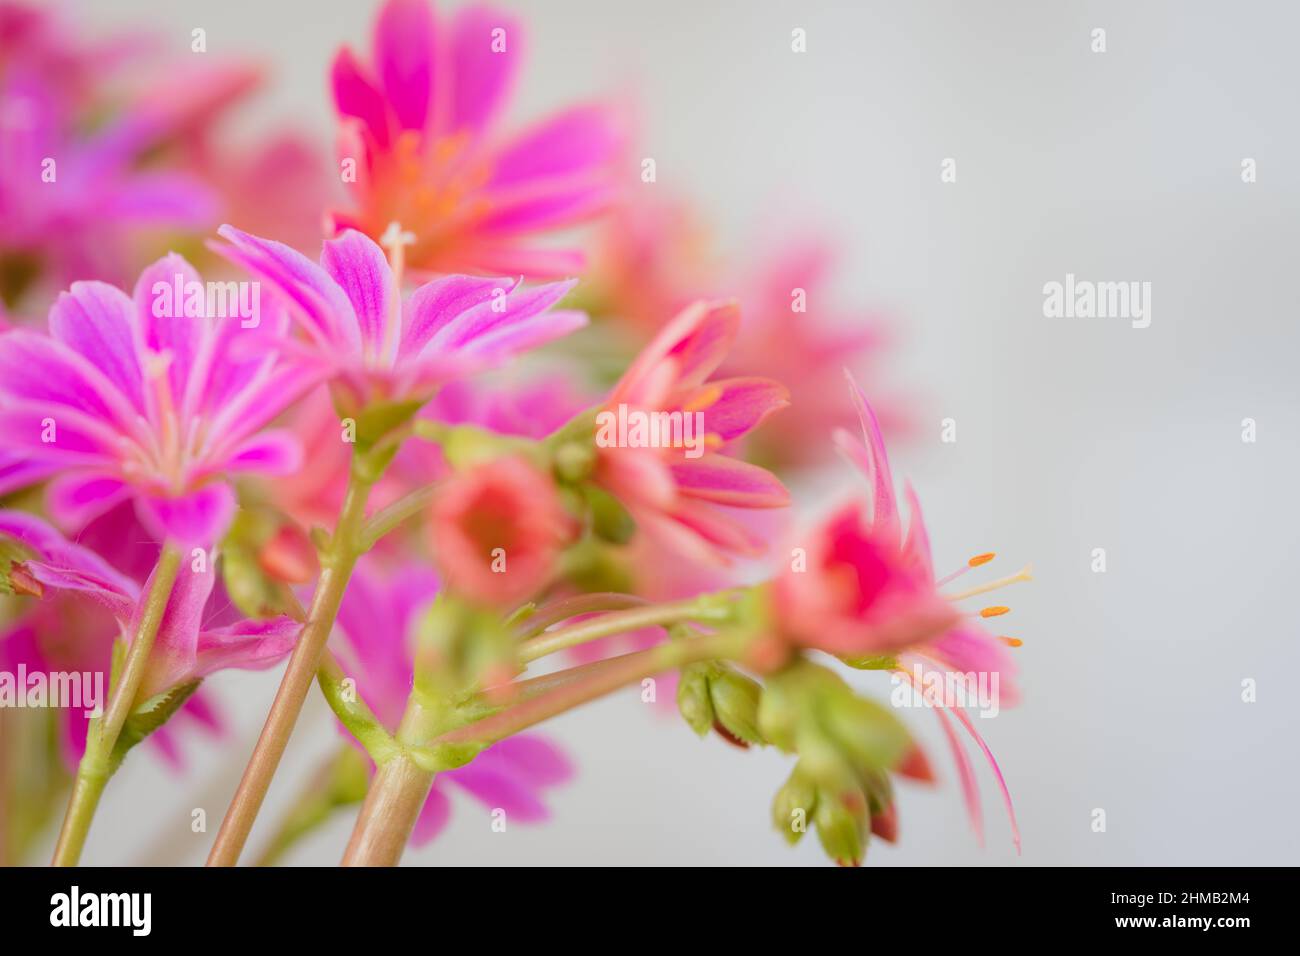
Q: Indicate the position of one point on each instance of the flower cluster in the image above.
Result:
(406, 460)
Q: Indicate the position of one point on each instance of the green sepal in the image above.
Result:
(147, 718)
(358, 718)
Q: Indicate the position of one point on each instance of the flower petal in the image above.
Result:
(316, 298)
(248, 645)
(482, 76)
(76, 499)
(356, 96)
(740, 405)
(576, 141)
(359, 266)
(97, 321)
(435, 304)
(729, 481)
(198, 519)
(404, 51)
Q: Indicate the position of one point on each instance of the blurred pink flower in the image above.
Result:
(85, 169)
(375, 642)
(793, 331)
(680, 499)
(141, 398)
(497, 531)
(372, 346)
(421, 125)
(867, 592)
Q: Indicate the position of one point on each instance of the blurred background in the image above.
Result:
(1072, 434)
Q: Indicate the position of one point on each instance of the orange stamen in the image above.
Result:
(1011, 641)
(979, 559)
(994, 611)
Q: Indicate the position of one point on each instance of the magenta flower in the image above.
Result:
(375, 626)
(142, 398)
(184, 649)
(372, 346)
(420, 124)
(681, 494)
(958, 646)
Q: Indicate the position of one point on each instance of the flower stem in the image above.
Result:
(346, 546)
(705, 609)
(395, 798)
(400, 788)
(96, 764)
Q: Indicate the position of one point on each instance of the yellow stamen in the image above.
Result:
(1024, 574)
(1011, 641)
(996, 610)
(979, 559)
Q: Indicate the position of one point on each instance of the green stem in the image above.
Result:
(707, 608)
(346, 546)
(95, 767)
(400, 788)
(396, 796)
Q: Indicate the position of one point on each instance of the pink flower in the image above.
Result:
(497, 531)
(677, 494)
(794, 331)
(184, 650)
(142, 398)
(870, 590)
(372, 346)
(87, 166)
(377, 649)
(421, 126)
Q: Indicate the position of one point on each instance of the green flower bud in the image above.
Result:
(735, 704)
(610, 521)
(843, 826)
(868, 734)
(794, 805)
(693, 698)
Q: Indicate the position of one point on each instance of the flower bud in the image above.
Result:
(794, 805)
(842, 826)
(693, 698)
(735, 700)
(885, 825)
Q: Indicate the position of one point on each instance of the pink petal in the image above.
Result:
(485, 318)
(34, 368)
(524, 335)
(481, 78)
(576, 141)
(76, 499)
(729, 481)
(198, 519)
(741, 405)
(875, 464)
(64, 566)
(315, 297)
(172, 658)
(97, 320)
(499, 790)
(965, 721)
(356, 96)
(689, 348)
(433, 816)
(164, 326)
(248, 645)
(435, 304)
(531, 758)
(359, 266)
(404, 50)
(276, 452)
